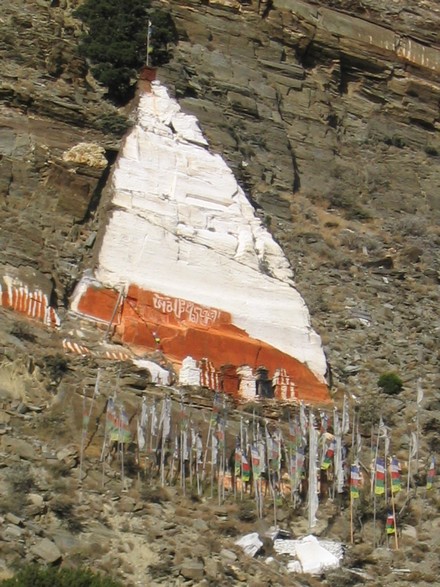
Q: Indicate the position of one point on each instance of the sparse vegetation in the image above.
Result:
(113, 123)
(35, 576)
(246, 511)
(64, 508)
(21, 481)
(55, 366)
(390, 383)
(411, 226)
(432, 151)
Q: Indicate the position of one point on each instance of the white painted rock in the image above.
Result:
(201, 276)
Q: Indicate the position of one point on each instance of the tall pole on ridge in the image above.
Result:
(148, 43)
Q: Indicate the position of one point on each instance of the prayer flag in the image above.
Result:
(431, 474)
(273, 448)
(379, 479)
(216, 406)
(86, 418)
(214, 449)
(144, 414)
(256, 468)
(330, 453)
(153, 420)
(396, 482)
(141, 437)
(391, 524)
(220, 435)
(303, 418)
(124, 427)
(111, 418)
(165, 417)
(414, 445)
(324, 422)
(237, 459)
(355, 479)
(245, 469)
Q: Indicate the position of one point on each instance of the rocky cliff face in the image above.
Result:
(68, 185)
(304, 94)
(328, 114)
(54, 156)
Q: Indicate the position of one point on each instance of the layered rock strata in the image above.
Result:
(184, 266)
(298, 94)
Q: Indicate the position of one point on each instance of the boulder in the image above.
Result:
(18, 447)
(46, 550)
(192, 569)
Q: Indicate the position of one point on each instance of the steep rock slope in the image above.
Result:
(372, 282)
(57, 137)
(328, 113)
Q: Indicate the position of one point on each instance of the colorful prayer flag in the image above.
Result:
(391, 524)
(330, 453)
(431, 474)
(237, 459)
(379, 479)
(111, 418)
(245, 469)
(256, 468)
(86, 418)
(396, 482)
(273, 448)
(355, 480)
(124, 427)
(220, 435)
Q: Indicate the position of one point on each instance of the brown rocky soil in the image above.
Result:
(336, 140)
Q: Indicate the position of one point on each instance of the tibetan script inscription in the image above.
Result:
(185, 310)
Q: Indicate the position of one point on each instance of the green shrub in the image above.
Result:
(390, 383)
(429, 150)
(115, 41)
(35, 576)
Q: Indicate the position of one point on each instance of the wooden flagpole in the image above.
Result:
(410, 449)
(183, 445)
(393, 506)
(83, 434)
(351, 516)
(373, 486)
(212, 459)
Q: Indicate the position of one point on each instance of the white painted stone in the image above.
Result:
(183, 227)
(248, 387)
(158, 374)
(189, 373)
